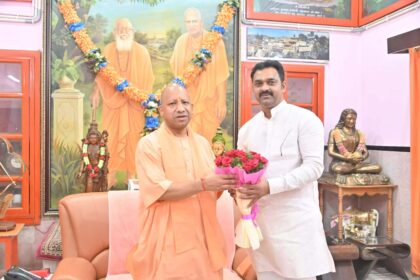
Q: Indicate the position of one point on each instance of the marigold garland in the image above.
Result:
(93, 171)
(109, 74)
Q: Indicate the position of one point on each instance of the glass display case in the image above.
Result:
(20, 134)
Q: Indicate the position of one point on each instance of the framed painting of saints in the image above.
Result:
(92, 128)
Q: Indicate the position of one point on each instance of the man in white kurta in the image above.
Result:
(292, 139)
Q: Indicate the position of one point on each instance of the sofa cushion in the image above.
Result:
(124, 232)
(123, 228)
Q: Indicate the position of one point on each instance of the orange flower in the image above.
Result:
(110, 75)
(224, 16)
(83, 40)
(69, 14)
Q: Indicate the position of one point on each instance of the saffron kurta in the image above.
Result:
(124, 118)
(203, 90)
(294, 244)
(179, 239)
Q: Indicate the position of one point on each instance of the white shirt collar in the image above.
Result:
(275, 110)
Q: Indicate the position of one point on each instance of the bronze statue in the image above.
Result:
(347, 147)
(218, 143)
(358, 223)
(94, 165)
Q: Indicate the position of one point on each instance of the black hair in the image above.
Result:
(269, 64)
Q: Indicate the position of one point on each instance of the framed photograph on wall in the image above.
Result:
(148, 43)
(331, 12)
(371, 10)
(287, 45)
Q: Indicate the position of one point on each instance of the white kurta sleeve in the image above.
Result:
(311, 146)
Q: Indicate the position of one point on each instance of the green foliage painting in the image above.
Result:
(157, 26)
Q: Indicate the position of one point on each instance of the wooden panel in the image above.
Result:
(403, 42)
(29, 212)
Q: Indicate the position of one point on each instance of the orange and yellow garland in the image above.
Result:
(109, 74)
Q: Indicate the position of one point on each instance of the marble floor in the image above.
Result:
(380, 273)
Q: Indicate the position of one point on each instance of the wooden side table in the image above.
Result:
(358, 191)
(10, 241)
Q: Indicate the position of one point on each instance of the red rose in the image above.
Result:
(247, 167)
(240, 153)
(249, 161)
(243, 157)
(263, 160)
(218, 160)
(253, 162)
(226, 161)
(230, 153)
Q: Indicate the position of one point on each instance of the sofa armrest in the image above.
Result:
(74, 269)
(242, 264)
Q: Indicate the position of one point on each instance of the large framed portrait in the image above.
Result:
(148, 43)
(332, 12)
(371, 10)
(287, 45)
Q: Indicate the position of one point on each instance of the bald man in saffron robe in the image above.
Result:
(122, 117)
(208, 92)
(180, 237)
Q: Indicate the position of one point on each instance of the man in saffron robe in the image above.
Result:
(121, 117)
(208, 91)
(180, 237)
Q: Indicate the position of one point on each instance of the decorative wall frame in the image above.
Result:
(339, 13)
(157, 26)
(371, 10)
(287, 45)
(346, 13)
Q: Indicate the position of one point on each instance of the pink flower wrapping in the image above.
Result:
(249, 168)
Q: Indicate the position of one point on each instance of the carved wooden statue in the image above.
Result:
(94, 165)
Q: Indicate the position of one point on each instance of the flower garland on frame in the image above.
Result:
(93, 171)
(149, 101)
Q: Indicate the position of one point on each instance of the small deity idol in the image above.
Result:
(94, 160)
(347, 147)
(218, 143)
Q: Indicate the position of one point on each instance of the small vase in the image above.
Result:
(66, 83)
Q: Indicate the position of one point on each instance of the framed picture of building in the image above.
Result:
(148, 43)
(371, 10)
(287, 45)
(324, 12)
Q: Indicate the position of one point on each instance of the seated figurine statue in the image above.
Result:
(358, 223)
(347, 147)
(218, 143)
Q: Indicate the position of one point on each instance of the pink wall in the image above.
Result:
(19, 36)
(360, 74)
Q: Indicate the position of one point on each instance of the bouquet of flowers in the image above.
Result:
(248, 167)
